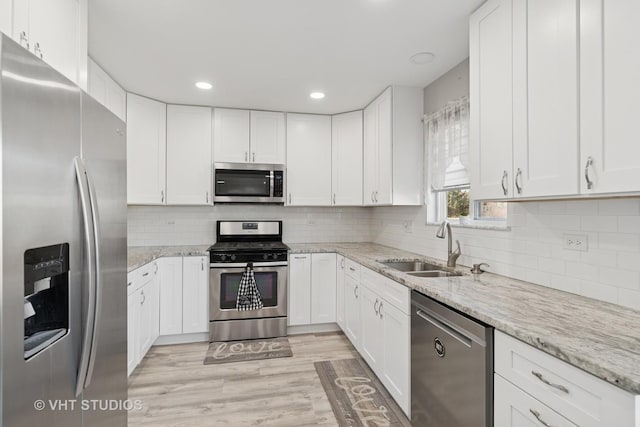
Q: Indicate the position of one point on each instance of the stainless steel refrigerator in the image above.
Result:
(63, 250)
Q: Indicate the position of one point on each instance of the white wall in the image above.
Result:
(164, 225)
(532, 249)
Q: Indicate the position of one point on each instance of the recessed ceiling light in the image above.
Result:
(422, 58)
(317, 95)
(204, 85)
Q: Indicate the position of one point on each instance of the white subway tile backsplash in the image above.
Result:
(629, 298)
(599, 291)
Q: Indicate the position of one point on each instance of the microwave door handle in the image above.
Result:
(271, 183)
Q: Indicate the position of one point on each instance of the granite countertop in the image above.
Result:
(137, 256)
(598, 337)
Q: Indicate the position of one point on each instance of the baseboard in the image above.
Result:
(310, 329)
(182, 338)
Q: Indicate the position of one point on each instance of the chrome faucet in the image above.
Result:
(445, 230)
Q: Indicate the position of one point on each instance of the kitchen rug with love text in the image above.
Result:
(357, 397)
(242, 351)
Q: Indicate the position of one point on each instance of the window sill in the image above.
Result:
(477, 225)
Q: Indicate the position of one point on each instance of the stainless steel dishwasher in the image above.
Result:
(451, 367)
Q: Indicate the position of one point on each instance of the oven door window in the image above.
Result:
(252, 183)
(267, 282)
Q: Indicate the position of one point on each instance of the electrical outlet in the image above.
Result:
(408, 226)
(576, 242)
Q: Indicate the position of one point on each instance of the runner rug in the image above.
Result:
(242, 351)
(357, 397)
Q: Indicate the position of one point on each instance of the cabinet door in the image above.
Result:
(370, 167)
(195, 286)
(396, 369)
(346, 164)
(170, 278)
(299, 290)
(146, 150)
(515, 408)
(372, 339)
(267, 137)
(340, 264)
(308, 160)
(54, 28)
(133, 330)
(609, 93)
(6, 14)
(384, 107)
(323, 288)
(352, 319)
(230, 135)
(491, 123)
(189, 163)
(105, 90)
(545, 97)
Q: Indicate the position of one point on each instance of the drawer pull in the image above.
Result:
(539, 376)
(352, 269)
(145, 274)
(539, 418)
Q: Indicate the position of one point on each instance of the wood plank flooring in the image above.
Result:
(177, 389)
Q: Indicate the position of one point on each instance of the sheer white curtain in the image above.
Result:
(447, 146)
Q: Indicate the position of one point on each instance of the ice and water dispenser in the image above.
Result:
(46, 297)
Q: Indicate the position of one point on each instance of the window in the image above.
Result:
(447, 152)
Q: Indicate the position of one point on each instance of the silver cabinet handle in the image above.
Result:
(372, 201)
(144, 297)
(539, 418)
(145, 274)
(375, 307)
(505, 176)
(519, 186)
(380, 310)
(246, 156)
(289, 198)
(24, 40)
(334, 198)
(355, 291)
(155, 269)
(352, 269)
(560, 387)
(254, 157)
(342, 263)
(586, 172)
(161, 196)
(207, 197)
(37, 50)
(300, 257)
(375, 196)
(202, 264)
(129, 284)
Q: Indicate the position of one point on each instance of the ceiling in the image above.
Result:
(270, 54)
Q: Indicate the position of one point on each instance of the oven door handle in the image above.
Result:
(244, 264)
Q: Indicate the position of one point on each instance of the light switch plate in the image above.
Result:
(576, 242)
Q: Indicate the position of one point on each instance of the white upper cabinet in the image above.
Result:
(393, 148)
(545, 98)
(609, 93)
(6, 14)
(308, 160)
(231, 135)
(189, 163)
(267, 137)
(146, 151)
(346, 164)
(106, 91)
(56, 31)
(491, 94)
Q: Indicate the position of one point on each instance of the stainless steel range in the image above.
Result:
(239, 243)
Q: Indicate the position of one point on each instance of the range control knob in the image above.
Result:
(265, 256)
(223, 257)
(233, 257)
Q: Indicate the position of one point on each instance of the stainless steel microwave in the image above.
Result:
(248, 183)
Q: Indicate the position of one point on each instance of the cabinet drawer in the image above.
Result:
(352, 269)
(577, 395)
(391, 291)
(514, 408)
(140, 276)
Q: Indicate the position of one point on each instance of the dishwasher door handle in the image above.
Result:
(445, 328)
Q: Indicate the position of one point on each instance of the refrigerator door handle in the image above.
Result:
(89, 320)
(98, 275)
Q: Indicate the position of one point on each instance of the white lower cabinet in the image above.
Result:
(396, 358)
(195, 294)
(312, 289)
(340, 274)
(170, 273)
(541, 388)
(143, 317)
(372, 339)
(352, 315)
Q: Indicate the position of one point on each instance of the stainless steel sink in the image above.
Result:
(438, 273)
(411, 266)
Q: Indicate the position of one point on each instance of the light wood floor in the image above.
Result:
(176, 389)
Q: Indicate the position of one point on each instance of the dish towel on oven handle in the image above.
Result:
(248, 293)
